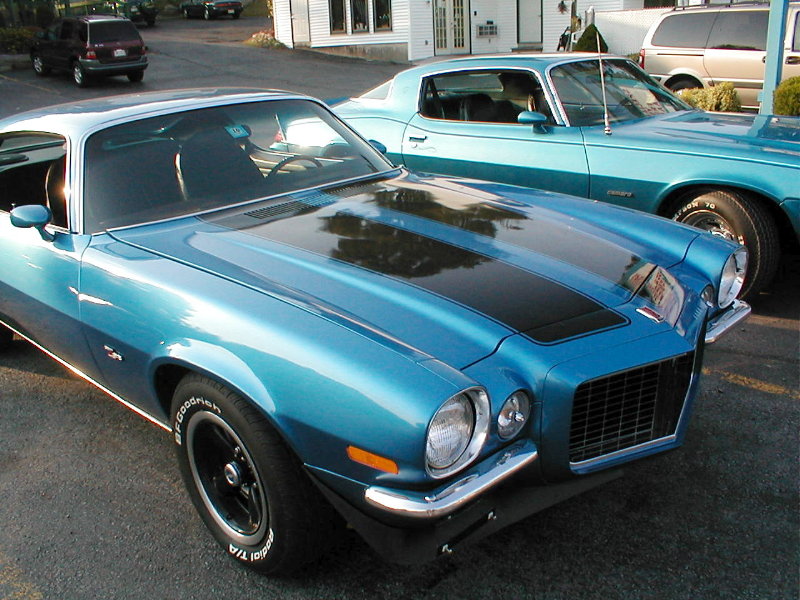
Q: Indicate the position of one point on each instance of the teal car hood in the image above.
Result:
(714, 134)
(444, 266)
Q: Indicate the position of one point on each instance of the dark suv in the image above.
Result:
(90, 46)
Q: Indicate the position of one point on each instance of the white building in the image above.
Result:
(412, 30)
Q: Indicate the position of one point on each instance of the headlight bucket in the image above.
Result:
(732, 277)
(457, 433)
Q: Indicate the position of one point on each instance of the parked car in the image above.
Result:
(138, 11)
(700, 46)
(734, 175)
(321, 331)
(211, 9)
(90, 46)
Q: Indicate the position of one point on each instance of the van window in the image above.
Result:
(796, 42)
(740, 30)
(113, 31)
(684, 30)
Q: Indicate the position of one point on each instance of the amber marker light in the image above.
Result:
(372, 460)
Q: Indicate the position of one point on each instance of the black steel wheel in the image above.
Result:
(249, 489)
(735, 216)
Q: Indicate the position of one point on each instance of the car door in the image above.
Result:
(47, 44)
(39, 280)
(461, 130)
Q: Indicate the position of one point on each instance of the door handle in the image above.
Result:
(417, 138)
(793, 60)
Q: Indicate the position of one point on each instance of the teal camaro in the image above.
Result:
(557, 122)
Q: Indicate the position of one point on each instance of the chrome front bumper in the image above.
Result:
(724, 322)
(449, 498)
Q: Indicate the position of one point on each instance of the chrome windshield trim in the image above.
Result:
(449, 498)
(724, 322)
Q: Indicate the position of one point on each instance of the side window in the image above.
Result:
(483, 96)
(83, 32)
(67, 30)
(53, 31)
(796, 40)
(32, 170)
(684, 30)
(740, 30)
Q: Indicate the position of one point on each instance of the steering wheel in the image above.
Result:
(289, 159)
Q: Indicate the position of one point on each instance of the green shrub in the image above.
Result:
(264, 39)
(16, 40)
(786, 100)
(719, 98)
(588, 41)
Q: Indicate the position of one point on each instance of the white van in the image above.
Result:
(700, 46)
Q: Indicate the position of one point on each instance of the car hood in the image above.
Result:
(715, 134)
(445, 266)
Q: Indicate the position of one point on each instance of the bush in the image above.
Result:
(786, 100)
(264, 39)
(16, 40)
(588, 41)
(719, 98)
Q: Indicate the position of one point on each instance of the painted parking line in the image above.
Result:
(13, 585)
(754, 384)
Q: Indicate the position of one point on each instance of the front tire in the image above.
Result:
(248, 487)
(739, 218)
(207, 15)
(38, 66)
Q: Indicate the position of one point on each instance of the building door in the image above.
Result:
(450, 22)
(529, 13)
(301, 34)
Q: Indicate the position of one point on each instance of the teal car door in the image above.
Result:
(467, 127)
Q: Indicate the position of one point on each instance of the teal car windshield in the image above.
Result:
(629, 94)
(205, 159)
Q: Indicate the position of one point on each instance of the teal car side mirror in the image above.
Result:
(530, 117)
(33, 215)
(378, 146)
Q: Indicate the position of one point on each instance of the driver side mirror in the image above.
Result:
(378, 146)
(35, 216)
(530, 117)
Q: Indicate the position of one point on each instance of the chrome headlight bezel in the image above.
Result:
(469, 446)
(732, 277)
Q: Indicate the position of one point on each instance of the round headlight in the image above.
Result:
(513, 415)
(732, 279)
(457, 432)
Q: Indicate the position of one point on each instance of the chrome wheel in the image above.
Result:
(713, 223)
(227, 479)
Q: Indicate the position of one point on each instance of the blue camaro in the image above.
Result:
(539, 121)
(324, 334)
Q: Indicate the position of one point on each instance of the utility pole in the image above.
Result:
(773, 62)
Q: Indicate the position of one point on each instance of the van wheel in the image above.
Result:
(683, 83)
(739, 218)
(248, 487)
(79, 76)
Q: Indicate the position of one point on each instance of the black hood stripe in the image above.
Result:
(543, 309)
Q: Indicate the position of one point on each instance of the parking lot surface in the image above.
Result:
(92, 506)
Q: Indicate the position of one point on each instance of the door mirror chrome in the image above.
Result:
(33, 215)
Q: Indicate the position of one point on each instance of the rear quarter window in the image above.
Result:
(684, 30)
(740, 30)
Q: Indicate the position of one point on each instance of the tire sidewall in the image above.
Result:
(191, 399)
(716, 203)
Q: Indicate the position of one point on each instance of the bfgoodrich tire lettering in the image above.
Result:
(249, 489)
(737, 217)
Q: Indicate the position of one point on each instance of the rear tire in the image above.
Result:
(136, 76)
(207, 15)
(737, 217)
(79, 76)
(6, 337)
(683, 83)
(248, 487)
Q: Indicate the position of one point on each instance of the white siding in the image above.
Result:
(420, 29)
(282, 22)
(504, 14)
(624, 31)
(554, 22)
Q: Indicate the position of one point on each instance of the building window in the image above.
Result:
(358, 12)
(382, 13)
(336, 10)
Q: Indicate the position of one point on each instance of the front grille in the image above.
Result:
(628, 408)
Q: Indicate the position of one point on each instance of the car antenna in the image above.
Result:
(607, 129)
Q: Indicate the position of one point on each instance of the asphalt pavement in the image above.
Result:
(92, 507)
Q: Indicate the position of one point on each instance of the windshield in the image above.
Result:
(200, 160)
(630, 93)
